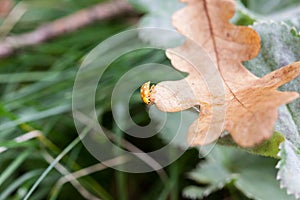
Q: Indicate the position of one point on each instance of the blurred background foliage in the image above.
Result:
(36, 101)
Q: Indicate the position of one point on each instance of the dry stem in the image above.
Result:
(84, 17)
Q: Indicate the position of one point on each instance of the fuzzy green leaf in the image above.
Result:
(158, 15)
(281, 46)
(225, 165)
(268, 148)
(267, 7)
(265, 10)
(175, 125)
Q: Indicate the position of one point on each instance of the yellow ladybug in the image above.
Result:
(145, 92)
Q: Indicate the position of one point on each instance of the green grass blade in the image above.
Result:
(13, 166)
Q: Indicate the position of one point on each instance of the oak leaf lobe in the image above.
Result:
(251, 103)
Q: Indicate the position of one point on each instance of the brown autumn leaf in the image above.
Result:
(248, 108)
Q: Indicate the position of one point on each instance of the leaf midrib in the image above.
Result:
(217, 55)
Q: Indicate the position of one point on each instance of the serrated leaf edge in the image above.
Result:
(213, 187)
(279, 177)
(270, 22)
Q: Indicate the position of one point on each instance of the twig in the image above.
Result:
(151, 162)
(85, 193)
(23, 138)
(92, 169)
(64, 25)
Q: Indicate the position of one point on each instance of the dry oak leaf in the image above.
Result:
(248, 108)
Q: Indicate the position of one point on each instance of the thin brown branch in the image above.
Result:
(127, 145)
(102, 11)
(92, 169)
(64, 171)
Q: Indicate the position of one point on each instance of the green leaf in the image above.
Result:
(289, 168)
(158, 16)
(265, 10)
(157, 6)
(193, 192)
(280, 47)
(227, 165)
(175, 125)
(268, 148)
(267, 7)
